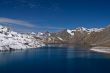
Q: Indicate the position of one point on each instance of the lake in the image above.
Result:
(54, 60)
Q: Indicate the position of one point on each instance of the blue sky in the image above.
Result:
(56, 14)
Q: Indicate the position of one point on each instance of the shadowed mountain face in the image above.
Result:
(81, 37)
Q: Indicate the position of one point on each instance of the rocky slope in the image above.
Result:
(101, 38)
(80, 37)
(10, 40)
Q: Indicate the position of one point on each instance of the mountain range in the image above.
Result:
(83, 37)
(79, 37)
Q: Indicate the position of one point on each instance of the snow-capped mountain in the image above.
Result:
(10, 40)
(78, 36)
(82, 29)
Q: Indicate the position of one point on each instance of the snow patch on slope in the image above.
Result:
(95, 29)
(71, 32)
(60, 38)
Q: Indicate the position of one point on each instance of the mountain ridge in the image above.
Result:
(80, 36)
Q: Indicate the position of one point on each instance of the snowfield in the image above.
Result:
(10, 40)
